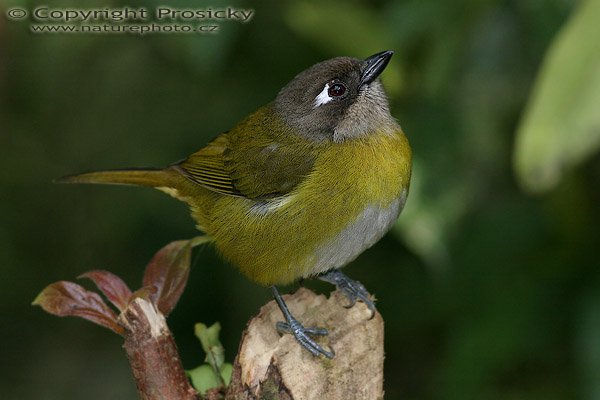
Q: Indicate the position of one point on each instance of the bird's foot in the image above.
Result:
(353, 290)
(302, 334)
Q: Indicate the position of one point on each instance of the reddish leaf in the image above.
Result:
(66, 299)
(113, 287)
(168, 272)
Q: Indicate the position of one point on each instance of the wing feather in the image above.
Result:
(255, 162)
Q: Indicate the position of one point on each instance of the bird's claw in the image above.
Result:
(353, 290)
(298, 330)
(302, 336)
(284, 327)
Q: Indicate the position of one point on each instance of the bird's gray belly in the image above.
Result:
(370, 226)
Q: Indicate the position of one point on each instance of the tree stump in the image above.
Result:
(270, 366)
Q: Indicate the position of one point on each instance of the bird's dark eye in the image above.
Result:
(336, 90)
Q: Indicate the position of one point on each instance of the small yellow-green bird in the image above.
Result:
(300, 187)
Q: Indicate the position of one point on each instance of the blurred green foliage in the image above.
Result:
(562, 125)
(487, 292)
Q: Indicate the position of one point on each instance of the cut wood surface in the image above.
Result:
(274, 366)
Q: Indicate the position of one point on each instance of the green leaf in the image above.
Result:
(203, 378)
(216, 372)
(209, 338)
(561, 127)
(226, 372)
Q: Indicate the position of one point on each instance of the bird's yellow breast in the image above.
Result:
(349, 200)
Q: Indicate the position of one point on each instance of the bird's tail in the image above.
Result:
(137, 177)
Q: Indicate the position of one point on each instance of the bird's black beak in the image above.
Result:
(374, 65)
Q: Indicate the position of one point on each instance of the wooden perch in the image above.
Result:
(270, 366)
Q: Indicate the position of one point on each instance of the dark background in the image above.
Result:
(488, 291)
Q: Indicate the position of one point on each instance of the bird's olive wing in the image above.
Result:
(256, 167)
(206, 167)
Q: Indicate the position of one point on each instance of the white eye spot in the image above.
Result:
(323, 97)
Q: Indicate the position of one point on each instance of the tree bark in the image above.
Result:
(152, 354)
(270, 366)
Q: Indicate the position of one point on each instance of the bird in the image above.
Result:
(300, 187)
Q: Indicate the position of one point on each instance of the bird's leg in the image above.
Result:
(293, 326)
(353, 290)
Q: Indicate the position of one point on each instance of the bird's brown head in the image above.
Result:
(337, 99)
